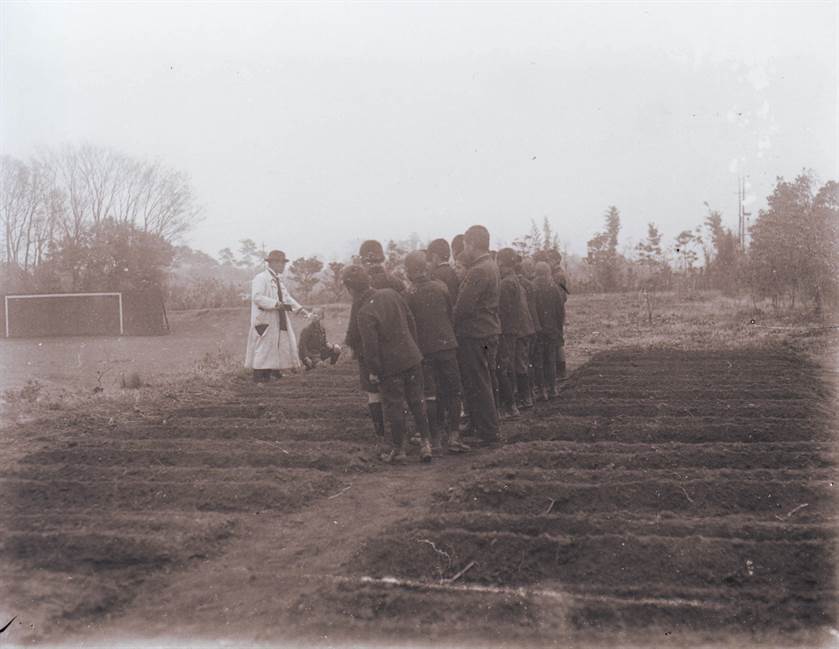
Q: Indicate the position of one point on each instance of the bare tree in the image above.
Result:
(102, 183)
(61, 199)
(28, 203)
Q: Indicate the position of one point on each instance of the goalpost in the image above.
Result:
(41, 302)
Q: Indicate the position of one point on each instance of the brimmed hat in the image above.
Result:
(276, 255)
(372, 252)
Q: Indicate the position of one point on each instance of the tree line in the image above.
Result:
(791, 254)
(88, 218)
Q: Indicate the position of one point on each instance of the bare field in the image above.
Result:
(198, 340)
(209, 338)
(611, 536)
(670, 494)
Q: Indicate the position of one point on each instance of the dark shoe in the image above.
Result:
(552, 394)
(526, 404)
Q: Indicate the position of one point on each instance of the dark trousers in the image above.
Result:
(463, 378)
(396, 390)
(532, 342)
(537, 361)
(506, 370)
(441, 376)
(477, 358)
(546, 379)
(560, 358)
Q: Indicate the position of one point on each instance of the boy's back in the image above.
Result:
(430, 303)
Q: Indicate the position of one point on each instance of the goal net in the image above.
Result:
(64, 314)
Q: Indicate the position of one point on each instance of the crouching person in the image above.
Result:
(312, 348)
(387, 334)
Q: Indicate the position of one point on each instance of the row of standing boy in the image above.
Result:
(462, 346)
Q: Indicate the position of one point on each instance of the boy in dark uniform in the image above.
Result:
(524, 270)
(477, 327)
(372, 257)
(514, 314)
(550, 303)
(554, 260)
(438, 254)
(312, 346)
(431, 307)
(458, 246)
(387, 334)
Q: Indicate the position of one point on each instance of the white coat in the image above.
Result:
(274, 349)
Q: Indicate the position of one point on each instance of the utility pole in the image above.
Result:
(742, 214)
(740, 223)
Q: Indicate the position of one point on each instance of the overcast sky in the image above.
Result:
(309, 127)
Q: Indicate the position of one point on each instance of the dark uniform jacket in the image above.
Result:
(476, 310)
(533, 325)
(512, 306)
(431, 306)
(379, 278)
(446, 274)
(550, 301)
(312, 341)
(388, 333)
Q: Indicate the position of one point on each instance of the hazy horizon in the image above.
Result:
(309, 127)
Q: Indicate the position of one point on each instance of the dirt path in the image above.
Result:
(251, 590)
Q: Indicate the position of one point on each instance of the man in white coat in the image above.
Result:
(272, 345)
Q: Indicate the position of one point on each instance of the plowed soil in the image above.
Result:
(665, 496)
(688, 492)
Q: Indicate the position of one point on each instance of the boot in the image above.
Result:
(401, 456)
(378, 417)
(561, 371)
(525, 399)
(465, 425)
(455, 445)
(397, 454)
(453, 415)
(434, 425)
